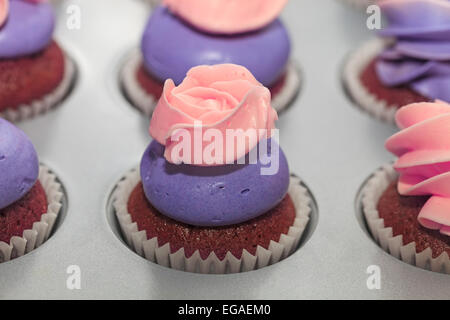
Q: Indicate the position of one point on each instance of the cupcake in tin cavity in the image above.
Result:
(213, 214)
(407, 206)
(409, 64)
(178, 37)
(35, 73)
(30, 196)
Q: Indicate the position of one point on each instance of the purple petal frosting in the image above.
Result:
(19, 165)
(420, 56)
(211, 196)
(171, 47)
(28, 29)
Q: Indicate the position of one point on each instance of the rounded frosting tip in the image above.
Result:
(227, 16)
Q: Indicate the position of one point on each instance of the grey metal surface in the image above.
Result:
(95, 137)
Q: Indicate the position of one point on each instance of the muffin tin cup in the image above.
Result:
(355, 65)
(146, 102)
(44, 104)
(371, 193)
(41, 230)
(149, 249)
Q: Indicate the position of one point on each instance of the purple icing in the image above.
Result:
(171, 47)
(420, 56)
(28, 29)
(19, 165)
(211, 196)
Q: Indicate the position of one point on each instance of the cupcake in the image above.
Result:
(35, 74)
(407, 206)
(179, 36)
(410, 63)
(213, 193)
(30, 196)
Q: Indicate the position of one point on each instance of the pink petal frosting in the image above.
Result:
(423, 148)
(227, 16)
(4, 8)
(220, 97)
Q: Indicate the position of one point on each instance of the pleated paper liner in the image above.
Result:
(148, 248)
(41, 230)
(371, 194)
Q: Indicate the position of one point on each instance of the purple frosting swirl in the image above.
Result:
(212, 196)
(19, 165)
(28, 29)
(420, 56)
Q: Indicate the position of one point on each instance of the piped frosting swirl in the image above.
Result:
(420, 55)
(423, 148)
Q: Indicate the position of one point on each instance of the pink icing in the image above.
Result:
(4, 8)
(227, 16)
(423, 148)
(221, 97)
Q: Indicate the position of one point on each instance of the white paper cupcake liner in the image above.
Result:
(148, 248)
(356, 64)
(371, 194)
(44, 104)
(33, 238)
(146, 102)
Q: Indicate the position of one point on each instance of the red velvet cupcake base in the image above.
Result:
(248, 235)
(26, 79)
(22, 214)
(398, 96)
(400, 213)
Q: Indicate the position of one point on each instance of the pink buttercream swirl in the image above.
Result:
(227, 16)
(423, 148)
(221, 97)
(4, 9)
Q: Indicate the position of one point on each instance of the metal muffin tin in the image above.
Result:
(95, 136)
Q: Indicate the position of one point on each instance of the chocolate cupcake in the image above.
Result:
(206, 206)
(407, 206)
(35, 73)
(409, 64)
(30, 196)
(178, 37)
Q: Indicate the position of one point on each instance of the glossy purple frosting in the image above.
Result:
(19, 165)
(211, 196)
(27, 30)
(171, 47)
(420, 56)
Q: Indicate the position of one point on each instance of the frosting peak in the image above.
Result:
(420, 56)
(423, 148)
(19, 165)
(227, 16)
(221, 98)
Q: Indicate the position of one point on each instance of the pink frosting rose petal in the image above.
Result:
(216, 97)
(4, 9)
(227, 16)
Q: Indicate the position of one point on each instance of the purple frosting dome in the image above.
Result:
(211, 196)
(420, 56)
(28, 29)
(19, 165)
(171, 47)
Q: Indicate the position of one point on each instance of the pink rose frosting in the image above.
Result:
(218, 97)
(423, 148)
(4, 8)
(227, 16)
